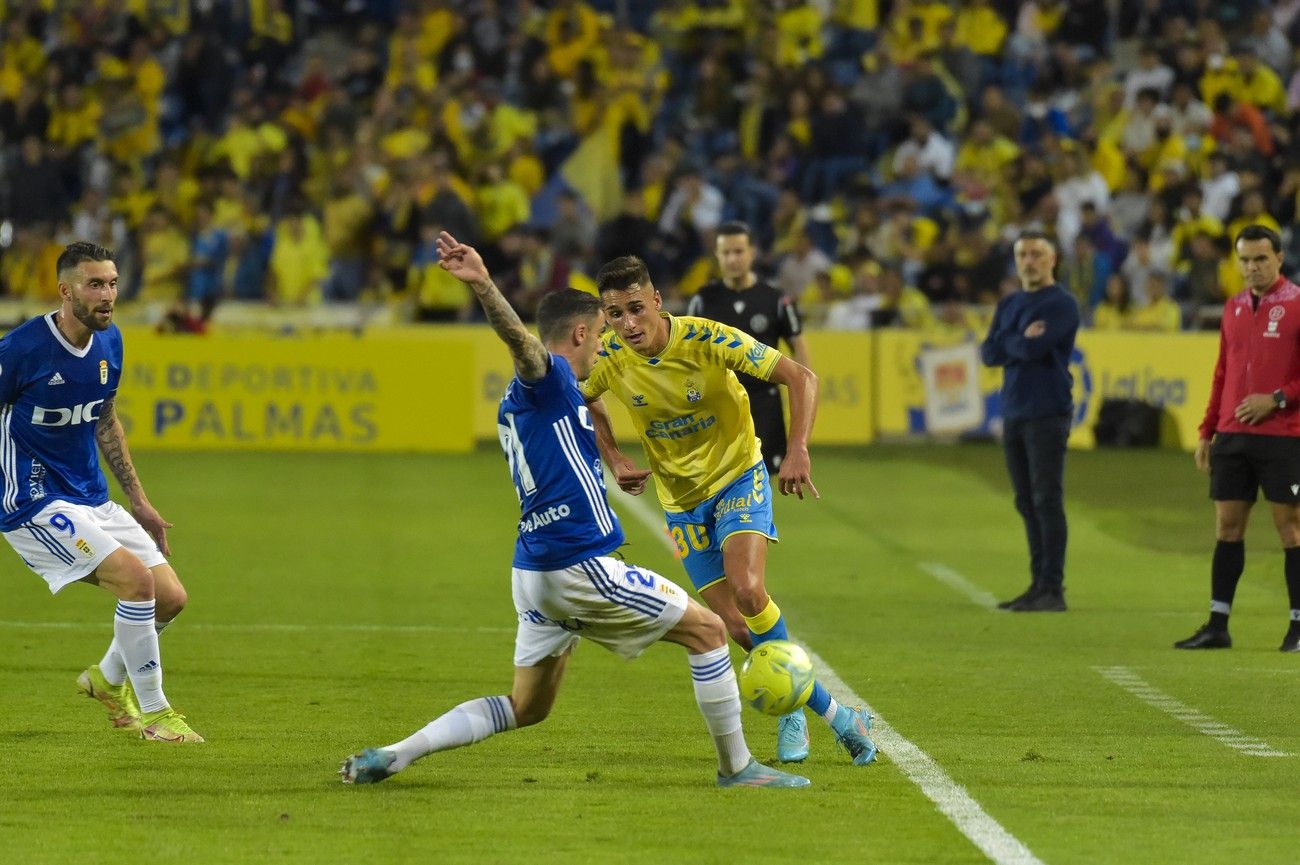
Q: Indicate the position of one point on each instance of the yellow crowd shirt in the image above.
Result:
(689, 409)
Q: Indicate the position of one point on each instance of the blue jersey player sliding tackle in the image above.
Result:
(565, 583)
(58, 383)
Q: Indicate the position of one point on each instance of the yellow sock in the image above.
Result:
(765, 620)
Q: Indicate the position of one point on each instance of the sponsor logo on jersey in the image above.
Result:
(692, 392)
(756, 354)
(36, 482)
(537, 520)
(82, 413)
(57, 378)
(103, 372)
(679, 427)
(1272, 329)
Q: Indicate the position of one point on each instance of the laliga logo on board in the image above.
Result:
(1083, 386)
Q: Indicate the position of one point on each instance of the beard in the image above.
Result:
(86, 315)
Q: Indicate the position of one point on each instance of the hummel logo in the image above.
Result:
(57, 378)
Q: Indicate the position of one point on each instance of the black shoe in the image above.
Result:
(1042, 601)
(1206, 638)
(1019, 599)
(1291, 642)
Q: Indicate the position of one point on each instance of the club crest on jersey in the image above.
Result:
(638, 400)
(103, 372)
(692, 393)
(1276, 313)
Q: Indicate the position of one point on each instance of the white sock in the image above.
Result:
(719, 702)
(466, 724)
(830, 712)
(137, 641)
(113, 665)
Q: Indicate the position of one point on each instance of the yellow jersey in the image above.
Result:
(687, 405)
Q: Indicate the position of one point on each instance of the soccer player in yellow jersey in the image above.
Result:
(675, 375)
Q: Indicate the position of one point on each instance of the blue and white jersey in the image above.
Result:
(550, 444)
(51, 394)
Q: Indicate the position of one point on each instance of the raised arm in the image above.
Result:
(463, 262)
(112, 444)
(801, 382)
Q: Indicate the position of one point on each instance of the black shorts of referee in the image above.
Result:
(1241, 464)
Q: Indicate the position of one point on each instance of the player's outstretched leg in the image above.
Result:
(118, 699)
(468, 723)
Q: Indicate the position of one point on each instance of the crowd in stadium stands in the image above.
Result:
(884, 153)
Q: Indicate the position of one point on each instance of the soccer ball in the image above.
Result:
(777, 677)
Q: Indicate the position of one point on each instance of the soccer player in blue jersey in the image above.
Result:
(565, 583)
(676, 376)
(58, 382)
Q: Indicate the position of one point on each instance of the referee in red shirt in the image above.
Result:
(1250, 438)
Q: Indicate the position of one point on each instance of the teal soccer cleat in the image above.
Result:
(851, 726)
(755, 774)
(368, 767)
(792, 738)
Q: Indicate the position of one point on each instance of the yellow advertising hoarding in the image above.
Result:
(437, 388)
(1168, 370)
(320, 393)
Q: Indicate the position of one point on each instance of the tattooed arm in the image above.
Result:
(112, 444)
(463, 262)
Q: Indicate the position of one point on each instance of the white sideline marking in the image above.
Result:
(954, 580)
(272, 626)
(1199, 721)
(952, 800)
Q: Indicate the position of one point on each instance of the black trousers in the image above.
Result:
(769, 422)
(1035, 452)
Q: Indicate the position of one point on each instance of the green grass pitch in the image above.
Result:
(344, 601)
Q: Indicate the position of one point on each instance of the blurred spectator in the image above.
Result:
(1160, 313)
(165, 251)
(902, 305)
(1115, 309)
(347, 223)
(300, 259)
(36, 189)
(799, 269)
(209, 247)
(438, 295)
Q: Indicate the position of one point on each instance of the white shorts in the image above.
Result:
(622, 607)
(66, 542)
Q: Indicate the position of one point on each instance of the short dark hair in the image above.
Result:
(729, 229)
(622, 273)
(1256, 231)
(558, 312)
(80, 251)
(1037, 234)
